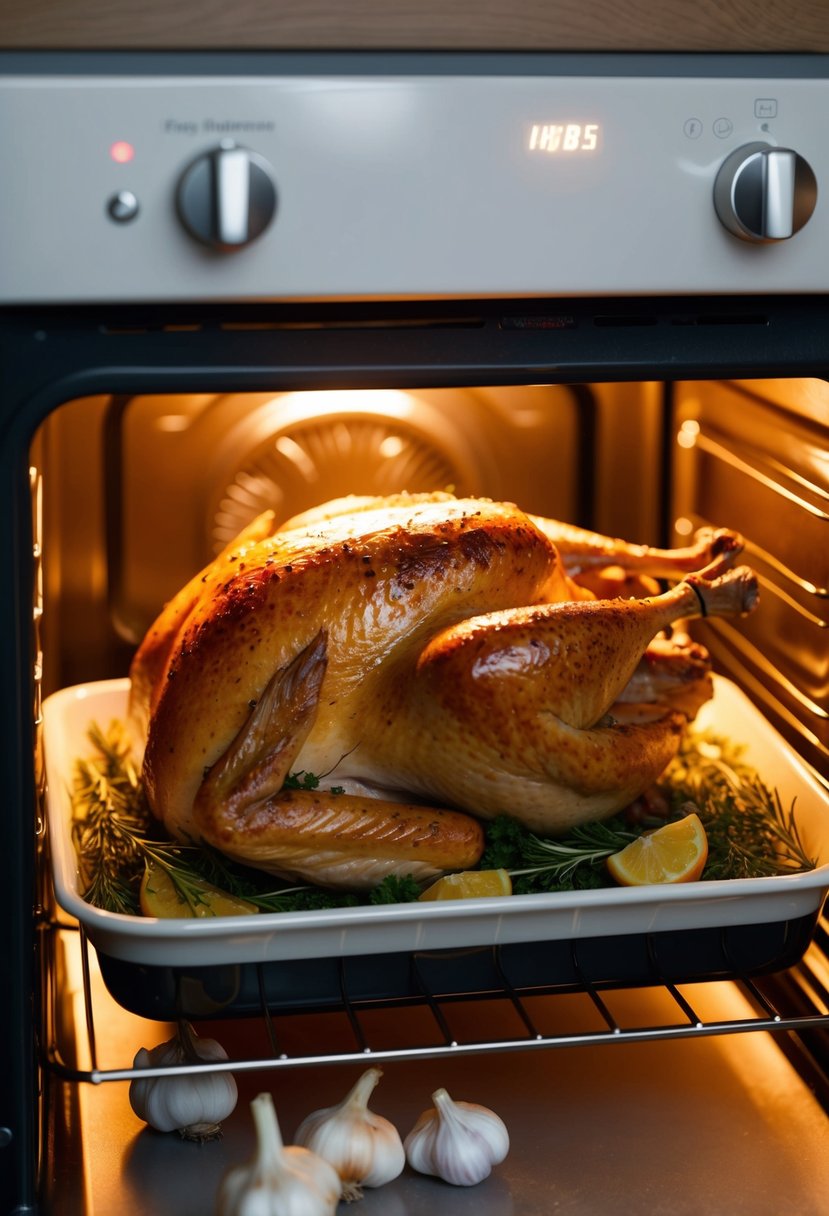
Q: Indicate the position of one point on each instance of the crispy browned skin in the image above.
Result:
(339, 839)
(427, 645)
(582, 550)
(152, 660)
(525, 704)
(346, 840)
(378, 582)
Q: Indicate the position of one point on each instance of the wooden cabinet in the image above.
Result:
(524, 25)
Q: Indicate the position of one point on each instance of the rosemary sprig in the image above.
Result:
(750, 833)
(589, 844)
(539, 864)
(110, 816)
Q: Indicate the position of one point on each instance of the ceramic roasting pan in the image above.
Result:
(704, 929)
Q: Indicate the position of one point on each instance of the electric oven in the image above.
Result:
(592, 285)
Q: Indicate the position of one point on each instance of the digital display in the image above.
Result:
(564, 137)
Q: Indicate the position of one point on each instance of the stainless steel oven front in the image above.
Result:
(591, 285)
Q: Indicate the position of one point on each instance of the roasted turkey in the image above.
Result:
(437, 661)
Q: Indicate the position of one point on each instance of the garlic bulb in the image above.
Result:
(193, 1104)
(364, 1148)
(278, 1181)
(457, 1141)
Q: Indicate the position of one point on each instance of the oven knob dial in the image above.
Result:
(764, 193)
(227, 198)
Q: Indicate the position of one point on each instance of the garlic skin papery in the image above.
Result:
(193, 1104)
(278, 1181)
(364, 1148)
(457, 1141)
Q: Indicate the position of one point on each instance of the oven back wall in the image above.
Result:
(140, 493)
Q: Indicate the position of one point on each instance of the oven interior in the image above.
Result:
(133, 493)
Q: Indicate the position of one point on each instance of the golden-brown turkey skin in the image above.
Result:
(511, 708)
(342, 841)
(582, 550)
(380, 582)
(152, 659)
(426, 645)
(332, 838)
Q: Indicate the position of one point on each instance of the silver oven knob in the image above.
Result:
(764, 193)
(226, 198)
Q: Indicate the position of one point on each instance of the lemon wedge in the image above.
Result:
(675, 853)
(158, 897)
(470, 884)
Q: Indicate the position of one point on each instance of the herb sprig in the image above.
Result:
(572, 862)
(750, 833)
(110, 819)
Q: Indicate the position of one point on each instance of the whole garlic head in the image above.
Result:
(364, 1148)
(278, 1180)
(459, 1142)
(192, 1104)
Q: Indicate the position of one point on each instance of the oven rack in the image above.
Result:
(799, 1004)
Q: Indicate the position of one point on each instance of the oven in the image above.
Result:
(592, 285)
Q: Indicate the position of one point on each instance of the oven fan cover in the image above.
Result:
(197, 469)
(314, 461)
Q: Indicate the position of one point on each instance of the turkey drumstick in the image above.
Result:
(509, 711)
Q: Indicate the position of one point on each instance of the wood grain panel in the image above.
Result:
(624, 25)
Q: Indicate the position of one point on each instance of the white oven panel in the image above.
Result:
(327, 187)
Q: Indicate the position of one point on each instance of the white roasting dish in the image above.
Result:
(384, 929)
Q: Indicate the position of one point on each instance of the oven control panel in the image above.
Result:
(431, 184)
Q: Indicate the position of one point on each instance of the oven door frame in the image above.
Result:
(49, 356)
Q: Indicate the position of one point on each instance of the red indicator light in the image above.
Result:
(122, 152)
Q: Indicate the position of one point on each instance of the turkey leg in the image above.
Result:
(583, 550)
(572, 659)
(511, 708)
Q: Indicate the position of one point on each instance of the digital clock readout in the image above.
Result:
(564, 137)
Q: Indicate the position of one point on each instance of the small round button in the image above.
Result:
(123, 207)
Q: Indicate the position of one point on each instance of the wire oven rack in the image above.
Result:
(799, 1004)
